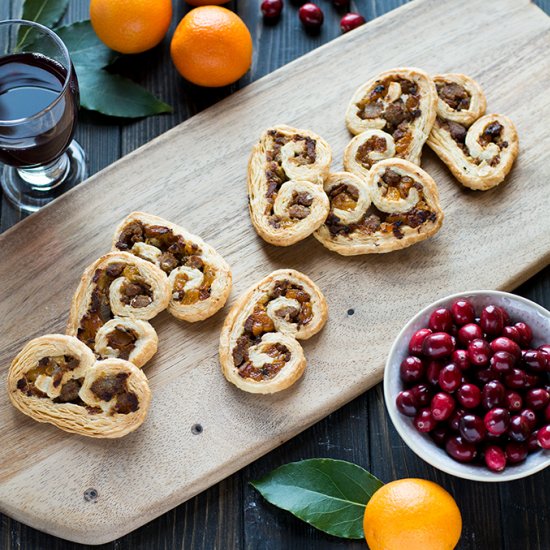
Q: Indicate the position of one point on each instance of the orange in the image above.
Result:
(412, 514)
(206, 2)
(211, 46)
(130, 26)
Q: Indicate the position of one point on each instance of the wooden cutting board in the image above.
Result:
(94, 491)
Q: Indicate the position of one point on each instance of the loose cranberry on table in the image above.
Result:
(351, 21)
(271, 9)
(311, 16)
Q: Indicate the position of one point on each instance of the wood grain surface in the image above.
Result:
(164, 462)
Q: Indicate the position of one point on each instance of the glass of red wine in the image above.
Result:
(39, 101)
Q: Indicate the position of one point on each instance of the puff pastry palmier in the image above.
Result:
(128, 290)
(478, 150)
(366, 149)
(402, 103)
(259, 349)
(285, 175)
(200, 279)
(56, 379)
(396, 206)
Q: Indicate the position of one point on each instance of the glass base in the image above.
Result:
(30, 198)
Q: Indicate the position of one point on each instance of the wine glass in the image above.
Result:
(38, 110)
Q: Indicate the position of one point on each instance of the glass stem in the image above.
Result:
(48, 176)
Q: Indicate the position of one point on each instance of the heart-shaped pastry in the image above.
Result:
(56, 379)
(478, 150)
(285, 175)
(402, 103)
(397, 205)
(200, 279)
(259, 349)
(128, 290)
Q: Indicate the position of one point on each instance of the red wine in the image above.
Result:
(37, 116)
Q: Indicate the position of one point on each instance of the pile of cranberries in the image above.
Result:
(477, 386)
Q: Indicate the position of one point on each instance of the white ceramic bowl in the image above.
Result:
(518, 308)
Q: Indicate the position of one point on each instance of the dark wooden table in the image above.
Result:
(231, 515)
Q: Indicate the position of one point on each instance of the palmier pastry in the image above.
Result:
(478, 150)
(396, 206)
(259, 349)
(285, 175)
(402, 103)
(56, 379)
(127, 290)
(200, 279)
(366, 149)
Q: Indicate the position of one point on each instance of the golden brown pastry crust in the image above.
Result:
(196, 252)
(401, 102)
(478, 150)
(399, 221)
(258, 312)
(32, 389)
(141, 271)
(285, 175)
(366, 149)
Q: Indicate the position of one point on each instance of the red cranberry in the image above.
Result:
(469, 396)
(532, 442)
(491, 320)
(479, 352)
(513, 401)
(424, 421)
(406, 403)
(525, 333)
(438, 345)
(311, 16)
(472, 428)
(495, 459)
(497, 421)
(531, 380)
(463, 311)
(512, 333)
(537, 398)
(502, 362)
(417, 339)
(505, 315)
(515, 379)
(432, 372)
(412, 369)
(492, 394)
(460, 358)
(518, 429)
(351, 21)
(486, 375)
(439, 435)
(442, 406)
(441, 320)
(469, 332)
(506, 344)
(547, 413)
(460, 449)
(530, 417)
(536, 360)
(450, 378)
(545, 348)
(543, 437)
(515, 452)
(422, 394)
(271, 9)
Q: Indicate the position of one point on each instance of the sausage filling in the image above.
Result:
(123, 340)
(115, 386)
(454, 95)
(374, 143)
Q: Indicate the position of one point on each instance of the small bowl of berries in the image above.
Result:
(467, 385)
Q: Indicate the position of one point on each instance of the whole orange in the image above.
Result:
(211, 46)
(412, 514)
(130, 26)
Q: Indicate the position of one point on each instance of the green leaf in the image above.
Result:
(330, 495)
(115, 95)
(46, 12)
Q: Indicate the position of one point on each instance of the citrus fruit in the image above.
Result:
(206, 2)
(211, 46)
(130, 26)
(412, 514)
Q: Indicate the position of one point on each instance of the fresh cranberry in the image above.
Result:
(479, 352)
(497, 421)
(532, 442)
(311, 16)
(417, 339)
(536, 360)
(439, 435)
(515, 380)
(515, 452)
(486, 375)
(442, 406)
(438, 345)
(492, 394)
(543, 437)
(351, 21)
(491, 320)
(463, 311)
(432, 372)
(545, 348)
(271, 9)
(502, 362)
(460, 358)
(525, 333)
(547, 413)
(441, 320)
(495, 459)
(450, 378)
(406, 403)
(505, 315)
(506, 344)
(469, 396)
(512, 333)
(472, 428)
(412, 369)
(460, 449)
(537, 398)
(513, 401)
(519, 429)
(454, 421)
(422, 394)
(532, 380)
(469, 332)
(424, 421)
(530, 417)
